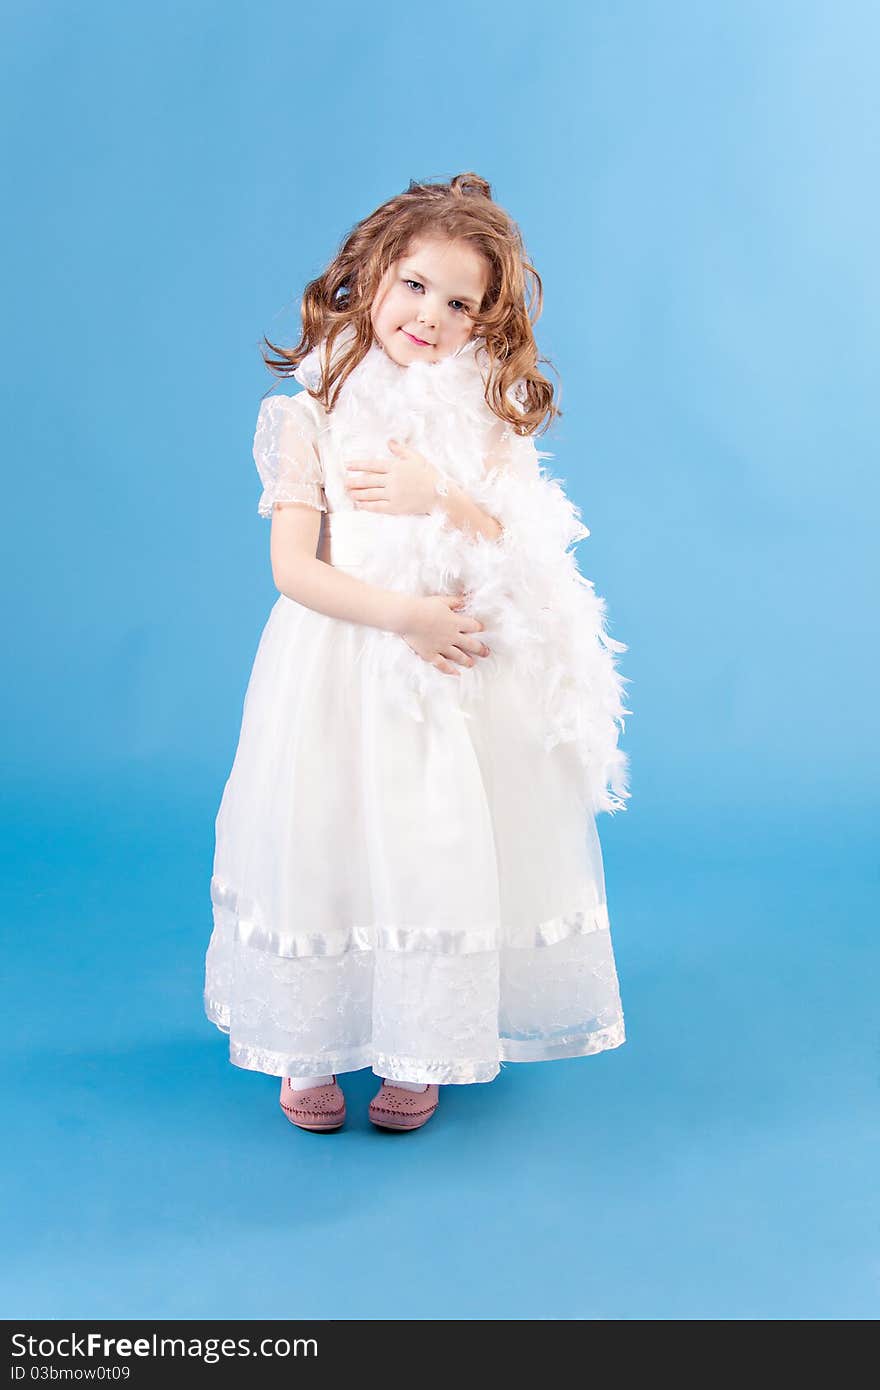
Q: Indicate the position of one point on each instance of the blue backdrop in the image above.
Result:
(697, 187)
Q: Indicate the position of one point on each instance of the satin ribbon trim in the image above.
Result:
(250, 931)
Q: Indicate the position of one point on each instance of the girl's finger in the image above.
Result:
(365, 470)
(458, 655)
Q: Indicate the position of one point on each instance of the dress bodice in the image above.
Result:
(540, 615)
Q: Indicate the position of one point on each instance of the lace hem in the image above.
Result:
(576, 1045)
(311, 494)
(248, 928)
(419, 1069)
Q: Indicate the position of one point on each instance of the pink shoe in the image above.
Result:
(394, 1108)
(317, 1107)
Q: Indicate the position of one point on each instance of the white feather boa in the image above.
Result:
(540, 613)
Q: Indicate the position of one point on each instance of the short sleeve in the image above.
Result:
(286, 454)
(512, 453)
(528, 503)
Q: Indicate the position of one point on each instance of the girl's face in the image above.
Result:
(420, 312)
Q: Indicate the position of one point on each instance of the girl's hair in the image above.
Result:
(461, 210)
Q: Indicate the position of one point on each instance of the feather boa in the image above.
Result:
(540, 613)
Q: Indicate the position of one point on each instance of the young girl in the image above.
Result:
(407, 874)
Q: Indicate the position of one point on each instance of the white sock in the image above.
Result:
(302, 1083)
(406, 1085)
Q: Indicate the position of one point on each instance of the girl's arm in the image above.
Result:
(300, 575)
(464, 513)
(290, 467)
(484, 512)
(410, 489)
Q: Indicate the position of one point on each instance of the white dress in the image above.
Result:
(407, 874)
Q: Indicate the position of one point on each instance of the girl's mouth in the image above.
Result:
(419, 342)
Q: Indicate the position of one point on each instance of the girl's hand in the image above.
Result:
(442, 636)
(402, 485)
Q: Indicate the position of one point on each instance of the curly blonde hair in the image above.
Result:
(461, 210)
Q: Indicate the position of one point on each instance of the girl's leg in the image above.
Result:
(303, 1083)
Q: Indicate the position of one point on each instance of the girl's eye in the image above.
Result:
(420, 286)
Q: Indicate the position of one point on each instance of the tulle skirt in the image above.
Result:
(425, 897)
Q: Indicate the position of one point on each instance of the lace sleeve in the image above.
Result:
(286, 454)
(530, 505)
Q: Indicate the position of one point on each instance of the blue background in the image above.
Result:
(697, 185)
